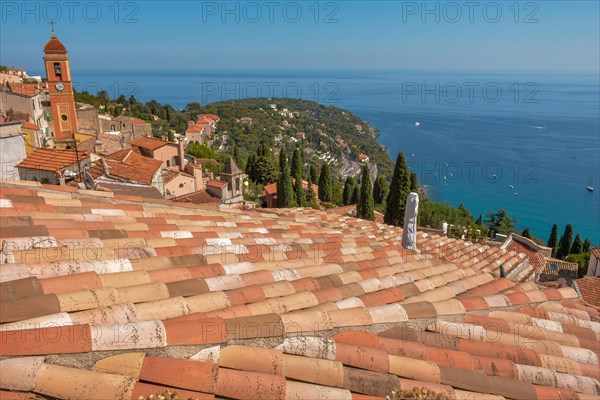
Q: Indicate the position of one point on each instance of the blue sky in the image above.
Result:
(539, 35)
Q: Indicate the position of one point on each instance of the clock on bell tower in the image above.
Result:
(60, 87)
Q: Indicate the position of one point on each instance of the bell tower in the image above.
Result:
(60, 86)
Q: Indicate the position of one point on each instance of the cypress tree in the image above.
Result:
(526, 233)
(365, 208)
(414, 182)
(553, 240)
(236, 155)
(285, 190)
(348, 190)
(312, 199)
(587, 246)
(355, 194)
(380, 189)
(564, 245)
(250, 166)
(399, 189)
(479, 221)
(577, 247)
(299, 193)
(296, 168)
(325, 184)
(314, 174)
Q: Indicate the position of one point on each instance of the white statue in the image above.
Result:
(409, 235)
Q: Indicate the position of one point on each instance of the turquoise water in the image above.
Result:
(527, 142)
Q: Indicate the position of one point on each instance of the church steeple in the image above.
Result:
(62, 102)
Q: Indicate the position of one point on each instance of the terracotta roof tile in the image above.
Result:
(590, 290)
(150, 143)
(299, 319)
(51, 159)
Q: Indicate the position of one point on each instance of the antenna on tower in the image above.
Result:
(53, 22)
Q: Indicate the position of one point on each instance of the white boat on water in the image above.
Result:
(590, 188)
(417, 123)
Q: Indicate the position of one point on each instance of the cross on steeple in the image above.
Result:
(52, 22)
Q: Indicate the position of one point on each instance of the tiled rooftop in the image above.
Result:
(113, 296)
(151, 143)
(51, 159)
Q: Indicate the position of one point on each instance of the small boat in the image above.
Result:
(511, 186)
(590, 188)
(417, 123)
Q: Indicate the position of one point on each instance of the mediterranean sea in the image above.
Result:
(527, 142)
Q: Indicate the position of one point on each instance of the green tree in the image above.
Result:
(312, 199)
(325, 184)
(250, 166)
(299, 193)
(414, 182)
(193, 107)
(380, 189)
(104, 98)
(577, 247)
(500, 222)
(399, 189)
(297, 169)
(526, 233)
(236, 155)
(285, 189)
(355, 194)
(553, 240)
(479, 221)
(365, 208)
(265, 170)
(587, 245)
(337, 187)
(348, 190)
(314, 174)
(170, 136)
(566, 240)
(582, 260)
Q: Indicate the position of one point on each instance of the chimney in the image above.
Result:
(181, 154)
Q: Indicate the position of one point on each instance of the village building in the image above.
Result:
(171, 154)
(593, 268)
(540, 266)
(53, 166)
(12, 149)
(128, 166)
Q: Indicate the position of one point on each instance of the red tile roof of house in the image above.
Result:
(137, 121)
(281, 304)
(27, 89)
(31, 126)
(200, 197)
(211, 117)
(216, 183)
(151, 143)
(589, 287)
(51, 159)
(129, 164)
(199, 128)
(595, 252)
